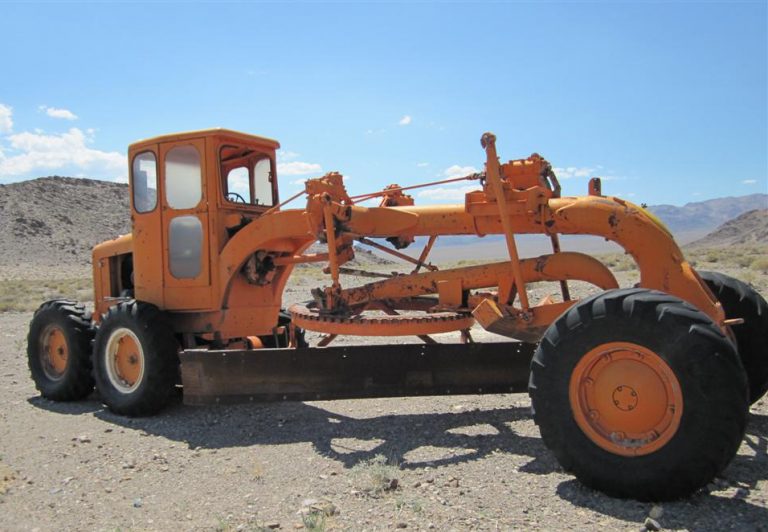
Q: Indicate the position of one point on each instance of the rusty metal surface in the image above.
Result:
(382, 325)
(354, 372)
(566, 265)
(511, 322)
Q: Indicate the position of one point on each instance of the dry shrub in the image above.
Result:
(760, 265)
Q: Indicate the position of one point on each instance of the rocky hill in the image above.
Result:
(747, 229)
(54, 221)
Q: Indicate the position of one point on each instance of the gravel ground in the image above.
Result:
(463, 462)
(441, 463)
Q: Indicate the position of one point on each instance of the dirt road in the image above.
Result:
(460, 463)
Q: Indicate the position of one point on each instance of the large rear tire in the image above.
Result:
(135, 359)
(59, 350)
(740, 300)
(639, 394)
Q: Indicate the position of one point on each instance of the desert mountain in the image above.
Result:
(54, 221)
(707, 215)
(748, 228)
(57, 220)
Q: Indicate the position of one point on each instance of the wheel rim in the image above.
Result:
(626, 399)
(124, 360)
(54, 353)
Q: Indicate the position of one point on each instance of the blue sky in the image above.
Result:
(666, 101)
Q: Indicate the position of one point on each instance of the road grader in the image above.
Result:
(641, 392)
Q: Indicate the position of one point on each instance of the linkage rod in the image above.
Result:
(281, 205)
(363, 197)
(494, 180)
(392, 252)
(424, 254)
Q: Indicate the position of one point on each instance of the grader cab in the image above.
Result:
(653, 381)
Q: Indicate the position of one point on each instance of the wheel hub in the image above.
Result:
(124, 360)
(55, 352)
(626, 398)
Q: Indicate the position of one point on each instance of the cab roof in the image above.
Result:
(213, 132)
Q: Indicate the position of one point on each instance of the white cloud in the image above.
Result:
(447, 193)
(53, 112)
(34, 152)
(405, 120)
(298, 168)
(6, 120)
(288, 165)
(459, 171)
(749, 182)
(574, 171)
(422, 165)
(285, 155)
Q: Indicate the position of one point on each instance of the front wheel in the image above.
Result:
(639, 394)
(135, 359)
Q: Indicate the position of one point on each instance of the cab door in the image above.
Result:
(146, 225)
(186, 258)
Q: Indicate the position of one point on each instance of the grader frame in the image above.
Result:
(249, 251)
(238, 291)
(634, 379)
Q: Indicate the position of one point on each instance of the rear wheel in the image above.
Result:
(740, 300)
(639, 394)
(59, 350)
(135, 359)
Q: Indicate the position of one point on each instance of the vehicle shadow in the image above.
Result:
(74, 408)
(452, 437)
(728, 498)
(461, 436)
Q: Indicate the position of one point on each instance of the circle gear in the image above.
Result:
(381, 325)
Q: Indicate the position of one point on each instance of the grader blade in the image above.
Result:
(346, 372)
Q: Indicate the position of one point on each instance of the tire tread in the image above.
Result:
(668, 473)
(77, 382)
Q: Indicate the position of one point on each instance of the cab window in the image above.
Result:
(183, 177)
(247, 176)
(262, 180)
(144, 181)
(238, 186)
(185, 247)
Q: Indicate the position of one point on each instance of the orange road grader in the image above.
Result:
(641, 392)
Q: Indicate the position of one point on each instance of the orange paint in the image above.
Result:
(218, 264)
(626, 399)
(55, 352)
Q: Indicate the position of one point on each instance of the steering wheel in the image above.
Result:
(234, 197)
